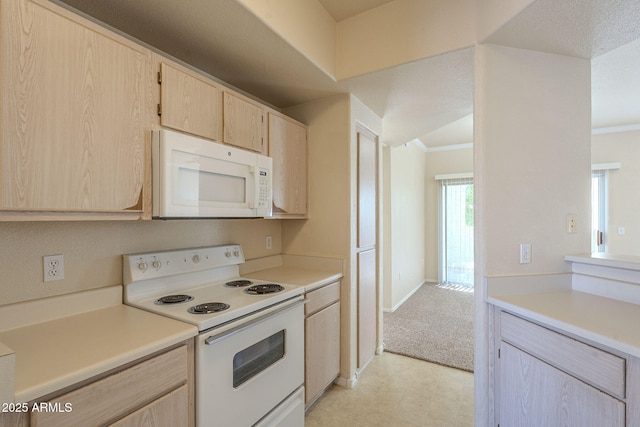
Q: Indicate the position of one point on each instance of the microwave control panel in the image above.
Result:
(264, 188)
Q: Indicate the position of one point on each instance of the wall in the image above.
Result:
(327, 231)
(532, 163)
(330, 231)
(403, 31)
(535, 127)
(350, 48)
(493, 14)
(439, 163)
(407, 178)
(624, 186)
(93, 250)
(305, 24)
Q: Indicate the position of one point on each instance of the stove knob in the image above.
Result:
(157, 264)
(236, 253)
(227, 254)
(195, 259)
(142, 266)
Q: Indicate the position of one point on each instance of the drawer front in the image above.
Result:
(322, 297)
(594, 366)
(112, 397)
(168, 411)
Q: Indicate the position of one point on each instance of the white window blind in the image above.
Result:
(456, 229)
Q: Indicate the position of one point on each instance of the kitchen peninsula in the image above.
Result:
(578, 331)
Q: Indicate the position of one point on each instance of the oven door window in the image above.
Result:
(254, 359)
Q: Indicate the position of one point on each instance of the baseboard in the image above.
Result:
(413, 291)
(347, 382)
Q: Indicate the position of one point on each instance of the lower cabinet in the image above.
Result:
(544, 378)
(322, 340)
(534, 393)
(154, 392)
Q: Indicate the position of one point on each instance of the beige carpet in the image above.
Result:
(434, 324)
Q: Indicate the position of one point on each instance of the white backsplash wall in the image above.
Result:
(93, 250)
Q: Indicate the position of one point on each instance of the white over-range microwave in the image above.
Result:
(198, 178)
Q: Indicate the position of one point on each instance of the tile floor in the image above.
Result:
(398, 391)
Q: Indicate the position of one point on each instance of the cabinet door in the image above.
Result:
(533, 393)
(190, 103)
(322, 350)
(243, 123)
(75, 114)
(288, 149)
(367, 304)
(367, 189)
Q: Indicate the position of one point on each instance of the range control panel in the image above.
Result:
(151, 265)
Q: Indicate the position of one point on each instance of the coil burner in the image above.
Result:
(174, 299)
(268, 288)
(238, 283)
(208, 307)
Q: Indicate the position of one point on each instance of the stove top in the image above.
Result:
(200, 286)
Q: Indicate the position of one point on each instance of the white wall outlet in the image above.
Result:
(572, 223)
(525, 253)
(268, 242)
(53, 266)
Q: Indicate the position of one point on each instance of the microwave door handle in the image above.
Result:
(252, 171)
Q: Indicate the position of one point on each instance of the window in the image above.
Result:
(456, 231)
(598, 210)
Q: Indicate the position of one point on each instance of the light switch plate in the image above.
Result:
(572, 223)
(525, 253)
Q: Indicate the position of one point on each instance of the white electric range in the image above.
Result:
(251, 342)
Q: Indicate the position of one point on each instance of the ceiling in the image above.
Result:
(341, 9)
(430, 99)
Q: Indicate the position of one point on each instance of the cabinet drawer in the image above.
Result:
(112, 397)
(322, 297)
(164, 412)
(594, 366)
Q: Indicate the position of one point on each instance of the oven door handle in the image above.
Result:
(216, 338)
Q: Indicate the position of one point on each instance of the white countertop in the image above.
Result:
(627, 262)
(309, 279)
(604, 321)
(63, 351)
(309, 272)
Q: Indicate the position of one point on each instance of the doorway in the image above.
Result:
(456, 232)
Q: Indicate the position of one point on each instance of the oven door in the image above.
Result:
(244, 373)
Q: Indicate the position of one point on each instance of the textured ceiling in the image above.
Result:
(615, 87)
(424, 99)
(582, 28)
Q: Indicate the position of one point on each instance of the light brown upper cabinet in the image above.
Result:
(190, 103)
(243, 122)
(288, 149)
(75, 118)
